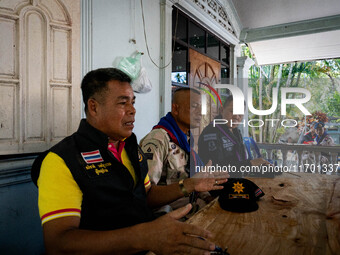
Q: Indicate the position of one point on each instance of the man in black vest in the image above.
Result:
(94, 190)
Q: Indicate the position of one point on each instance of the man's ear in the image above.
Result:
(92, 107)
(174, 109)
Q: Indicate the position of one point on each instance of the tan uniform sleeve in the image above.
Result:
(155, 146)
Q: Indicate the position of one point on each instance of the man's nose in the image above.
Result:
(198, 112)
(132, 109)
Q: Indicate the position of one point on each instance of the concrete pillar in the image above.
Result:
(243, 65)
(233, 67)
(166, 55)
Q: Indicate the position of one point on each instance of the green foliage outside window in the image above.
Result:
(321, 78)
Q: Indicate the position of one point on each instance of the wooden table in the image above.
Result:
(299, 214)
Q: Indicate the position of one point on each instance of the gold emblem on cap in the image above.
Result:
(238, 187)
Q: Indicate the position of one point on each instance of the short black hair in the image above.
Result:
(95, 81)
(194, 90)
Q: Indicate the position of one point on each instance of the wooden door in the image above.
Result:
(206, 70)
(39, 73)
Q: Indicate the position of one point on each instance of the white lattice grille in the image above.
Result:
(217, 12)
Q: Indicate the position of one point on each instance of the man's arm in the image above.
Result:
(161, 195)
(165, 235)
(155, 148)
(62, 234)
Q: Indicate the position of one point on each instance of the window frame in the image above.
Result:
(222, 43)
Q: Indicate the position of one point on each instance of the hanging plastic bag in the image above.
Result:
(131, 66)
(142, 84)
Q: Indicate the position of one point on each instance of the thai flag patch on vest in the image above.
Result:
(92, 157)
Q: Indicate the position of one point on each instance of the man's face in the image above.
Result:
(115, 113)
(320, 131)
(227, 113)
(188, 110)
(195, 110)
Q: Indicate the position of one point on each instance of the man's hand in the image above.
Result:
(206, 181)
(259, 161)
(167, 235)
(203, 184)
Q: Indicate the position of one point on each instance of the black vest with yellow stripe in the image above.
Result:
(111, 199)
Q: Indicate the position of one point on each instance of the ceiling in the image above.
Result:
(282, 31)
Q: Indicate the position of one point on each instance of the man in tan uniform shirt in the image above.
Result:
(167, 158)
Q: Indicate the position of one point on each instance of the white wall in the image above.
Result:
(114, 23)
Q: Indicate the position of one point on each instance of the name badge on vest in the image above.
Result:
(95, 165)
(227, 143)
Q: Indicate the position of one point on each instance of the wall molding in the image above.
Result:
(86, 41)
(15, 170)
